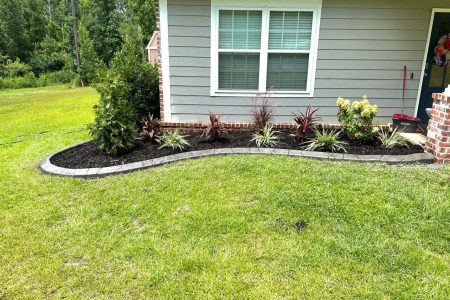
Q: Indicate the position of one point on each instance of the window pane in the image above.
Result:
(290, 30)
(287, 71)
(238, 71)
(240, 29)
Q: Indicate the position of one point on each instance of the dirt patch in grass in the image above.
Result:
(89, 156)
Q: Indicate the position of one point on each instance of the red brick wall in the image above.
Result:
(438, 138)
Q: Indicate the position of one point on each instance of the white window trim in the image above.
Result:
(264, 51)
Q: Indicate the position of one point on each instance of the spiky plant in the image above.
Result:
(173, 140)
(392, 139)
(262, 112)
(214, 129)
(150, 129)
(305, 123)
(326, 141)
(267, 137)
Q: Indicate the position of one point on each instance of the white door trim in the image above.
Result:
(165, 67)
(427, 48)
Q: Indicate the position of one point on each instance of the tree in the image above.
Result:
(103, 19)
(76, 42)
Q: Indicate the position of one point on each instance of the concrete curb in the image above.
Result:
(47, 167)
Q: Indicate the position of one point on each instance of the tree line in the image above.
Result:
(73, 40)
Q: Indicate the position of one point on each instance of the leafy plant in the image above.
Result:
(305, 122)
(262, 112)
(214, 129)
(392, 139)
(150, 127)
(114, 127)
(326, 141)
(357, 118)
(141, 77)
(173, 140)
(266, 137)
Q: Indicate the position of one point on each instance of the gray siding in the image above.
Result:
(363, 47)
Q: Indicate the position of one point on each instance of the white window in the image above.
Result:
(254, 49)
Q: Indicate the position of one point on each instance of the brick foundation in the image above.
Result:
(438, 138)
(187, 127)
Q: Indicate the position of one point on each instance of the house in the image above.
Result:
(152, 48)
(217, 54)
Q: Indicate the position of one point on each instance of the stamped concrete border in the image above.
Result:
(47, 167)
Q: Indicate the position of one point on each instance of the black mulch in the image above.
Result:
(89, 156)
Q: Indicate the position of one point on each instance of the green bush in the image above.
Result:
(58, 77)
(326, 141)
(267, 137)
(114, 128)
(357, 118)
(26, 81)
(173, 140)
(141, 77)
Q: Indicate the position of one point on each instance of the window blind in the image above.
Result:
(238, 71)
(240, 29)
(290, 30)
(287, 71)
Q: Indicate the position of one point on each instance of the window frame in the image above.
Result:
(264, 51)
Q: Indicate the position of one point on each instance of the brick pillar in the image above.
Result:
(438, 139)
(158, 28)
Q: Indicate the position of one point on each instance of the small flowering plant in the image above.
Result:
(357, 118)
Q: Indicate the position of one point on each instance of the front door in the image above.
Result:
(437, 67)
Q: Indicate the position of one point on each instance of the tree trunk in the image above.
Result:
(76, 41)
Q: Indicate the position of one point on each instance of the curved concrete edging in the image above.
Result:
(47, 167)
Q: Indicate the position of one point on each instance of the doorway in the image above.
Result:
(436, 75)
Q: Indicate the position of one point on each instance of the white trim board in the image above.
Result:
(165, 67)
(266, 7)
(427, 48)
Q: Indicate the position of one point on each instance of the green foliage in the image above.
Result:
(142, 78)
(357, 118)
(267, 137)
(51, 56)
(103, 20)
(91, 66)
(391, 139)
(10, 68)
(114, 128)
(326, 141)
(173, 140)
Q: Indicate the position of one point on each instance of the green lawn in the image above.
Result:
(219, 227)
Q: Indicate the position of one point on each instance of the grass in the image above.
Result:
(220, 227)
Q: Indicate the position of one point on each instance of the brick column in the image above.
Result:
(158, 28)
(438, 138)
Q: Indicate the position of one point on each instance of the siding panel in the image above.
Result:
(363, 47)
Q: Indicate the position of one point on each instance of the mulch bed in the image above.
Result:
(89, 156)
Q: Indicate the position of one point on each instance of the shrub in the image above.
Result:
(214, 129)
(357, 118)
(262, 113)
(305, 123)
(114, 128)
(150, 128)
(266, 137)
(57, 77)
(141, 77)
(392, 139)
(326, 141)
(173, 140)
